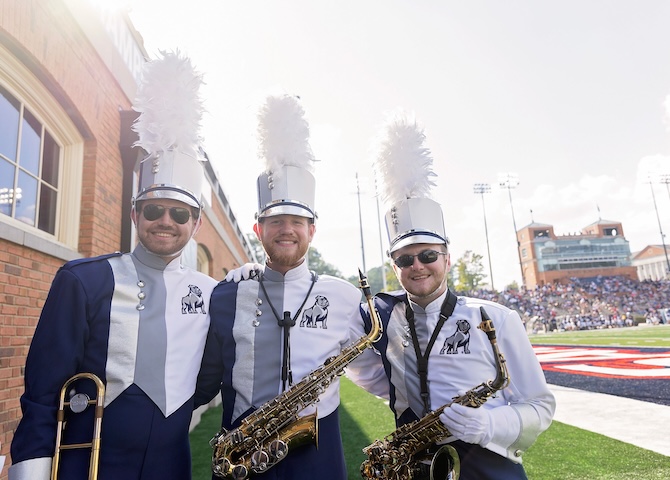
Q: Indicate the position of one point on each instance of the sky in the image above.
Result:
(567, 95)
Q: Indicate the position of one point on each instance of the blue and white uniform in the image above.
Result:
(460, 360)
(138, 324)
(244, 351)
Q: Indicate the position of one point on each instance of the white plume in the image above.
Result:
(170, 106)
(283, 134)
(402, 162)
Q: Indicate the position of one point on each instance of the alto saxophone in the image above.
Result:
(400, 455)
(265, 437)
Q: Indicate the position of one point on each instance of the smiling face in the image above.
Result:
(286, 239)
(163, 236)
(423, 282)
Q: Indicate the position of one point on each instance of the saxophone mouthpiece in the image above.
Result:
(365, 286)
(487, 325)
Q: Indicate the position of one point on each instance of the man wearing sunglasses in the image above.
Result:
(431, 349)
(138, 321)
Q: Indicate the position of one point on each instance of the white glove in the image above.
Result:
(472, 425)
(246, 271)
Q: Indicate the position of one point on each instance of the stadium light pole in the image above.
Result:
(660, 229)
(511, 181)
(665, 178)
(381, 243)
(360, 221)
(481, 189)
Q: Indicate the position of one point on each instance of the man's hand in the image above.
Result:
(472, 425)
(246, 271)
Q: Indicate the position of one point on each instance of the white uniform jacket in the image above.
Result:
(460, 360)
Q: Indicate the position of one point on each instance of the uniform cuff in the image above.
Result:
(33, 469)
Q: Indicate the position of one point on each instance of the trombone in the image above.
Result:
(78, 403)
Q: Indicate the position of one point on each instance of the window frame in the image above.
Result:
(33, 95)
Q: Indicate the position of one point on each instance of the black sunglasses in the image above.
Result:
(153, 212)
(427, 256)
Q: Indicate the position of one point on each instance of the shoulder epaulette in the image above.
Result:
(394, 297)
(99, 258)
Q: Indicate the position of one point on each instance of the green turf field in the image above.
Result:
(642, 336)
(561, 453)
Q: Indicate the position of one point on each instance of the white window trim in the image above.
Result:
(203, 260)
(21, 83)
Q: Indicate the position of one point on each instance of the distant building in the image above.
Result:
(652, 262)
(599, 249)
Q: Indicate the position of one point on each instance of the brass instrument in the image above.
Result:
(265, 437)
(400, 455)
(78, 403)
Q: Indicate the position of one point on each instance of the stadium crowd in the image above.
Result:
(583, 304)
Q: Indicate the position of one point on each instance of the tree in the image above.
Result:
(469, 271)
(513, 286)
(375, 279)
(316, 262)
(256, 247)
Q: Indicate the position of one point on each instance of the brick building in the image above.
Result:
(652, 262)
(599, 249)
(68, 75)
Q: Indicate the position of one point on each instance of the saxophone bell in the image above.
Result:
(446, 465)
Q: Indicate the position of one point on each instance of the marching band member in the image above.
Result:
(431, 350)
(268, 331)
(137, 320)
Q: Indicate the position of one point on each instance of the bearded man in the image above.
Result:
(260, 340)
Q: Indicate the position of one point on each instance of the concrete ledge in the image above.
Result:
(30, 240)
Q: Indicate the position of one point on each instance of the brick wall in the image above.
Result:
(25, 277)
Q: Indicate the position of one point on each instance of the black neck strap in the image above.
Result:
(286, 322)
(422, 359)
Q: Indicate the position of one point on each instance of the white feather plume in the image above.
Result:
(283, 134)
(170, 107)
(402, 163)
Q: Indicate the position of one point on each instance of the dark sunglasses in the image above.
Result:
(153, 212)
(427, 256)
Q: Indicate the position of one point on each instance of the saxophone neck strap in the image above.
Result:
(447, 309)
(286, 322)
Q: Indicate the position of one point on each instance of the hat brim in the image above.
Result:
(287, 209)
(169, 192)
(414, 237)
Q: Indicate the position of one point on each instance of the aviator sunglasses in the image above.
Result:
(427, 256)
(153, 212)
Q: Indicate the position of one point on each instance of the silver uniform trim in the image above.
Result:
(245, 359)
(33, 469)
(123, 328)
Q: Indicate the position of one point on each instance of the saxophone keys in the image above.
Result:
(278, 449)
(260, 461)
(236, 437)
(239, 472)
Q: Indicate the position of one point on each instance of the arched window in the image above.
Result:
(41, 158)
(203, 260)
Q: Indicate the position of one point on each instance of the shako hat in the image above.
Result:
(287, 185)
(404, 166)
(170, 111)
